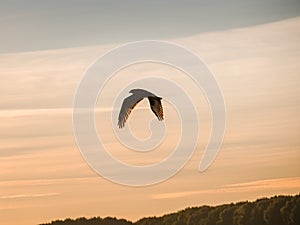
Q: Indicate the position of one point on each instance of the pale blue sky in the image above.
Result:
(39, 25)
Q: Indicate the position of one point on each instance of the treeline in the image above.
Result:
(278, 210)
(91, 221)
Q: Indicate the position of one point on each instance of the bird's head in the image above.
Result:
(136, 91)
(142, 92)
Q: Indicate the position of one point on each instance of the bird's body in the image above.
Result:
(130, 102)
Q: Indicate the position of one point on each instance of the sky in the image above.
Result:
(42, 24)
(47, 48)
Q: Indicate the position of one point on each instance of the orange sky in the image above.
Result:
(44, 177)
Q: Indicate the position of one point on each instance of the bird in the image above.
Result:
(131, 101)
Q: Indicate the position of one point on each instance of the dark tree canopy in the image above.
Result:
(278, 210)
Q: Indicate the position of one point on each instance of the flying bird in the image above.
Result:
(130, 102)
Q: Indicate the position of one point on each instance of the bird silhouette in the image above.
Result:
(131, 101)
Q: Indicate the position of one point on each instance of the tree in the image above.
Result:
(226, 216)
(242, 214)
(272, 214)
(290, 212)
(257, 213)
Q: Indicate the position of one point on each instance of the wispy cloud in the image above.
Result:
(271, 184)
(45, 182)
(39, 195)
(293, 182)
(43, 111)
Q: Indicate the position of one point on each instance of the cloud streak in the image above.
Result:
(7, 113)
(270, 184)
(39, 195)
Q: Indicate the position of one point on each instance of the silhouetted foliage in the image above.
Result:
(226, 216)
(290, 212)
(278, 210)
(92, 221)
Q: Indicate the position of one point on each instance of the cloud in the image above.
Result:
(46, 182)
(18, 196)
(270, 184)
(7, 113)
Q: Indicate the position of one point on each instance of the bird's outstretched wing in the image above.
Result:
(128, 104)
(156, 107)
